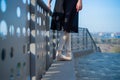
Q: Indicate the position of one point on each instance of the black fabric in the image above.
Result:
(65, 16)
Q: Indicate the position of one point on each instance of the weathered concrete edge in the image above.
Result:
(61, 70)
(78, 53)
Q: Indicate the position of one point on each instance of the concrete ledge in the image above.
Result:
(64, 70)
(61, 70)
(78, 53)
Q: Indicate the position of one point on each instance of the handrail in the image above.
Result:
(43, 5)
(92, 39)
(41, 47)
(83, 40)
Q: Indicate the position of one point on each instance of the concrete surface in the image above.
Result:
(61, 70)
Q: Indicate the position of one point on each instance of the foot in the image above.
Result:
(61, 57)
(69, 55)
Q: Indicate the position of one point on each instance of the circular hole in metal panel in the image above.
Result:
(38, 7)
(0, 31)
(18, 11)
(3, 5)
(24, 1)
(44, 22)
(3, 54)
(38, 32)
(40, 21)
(28, 2)
(42, 10)
(45, 13)
(18, 69)
(24, 31)
(12, 74)
(11, 30)
(3, 29)
(28, 31)
(18, 32)
(37, 46)
(18, 65)
(12, 77)
(28, 16)
(48, 15)
(11, 52)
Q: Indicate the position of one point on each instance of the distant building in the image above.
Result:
(104, 35)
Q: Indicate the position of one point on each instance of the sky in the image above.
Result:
(99, 15)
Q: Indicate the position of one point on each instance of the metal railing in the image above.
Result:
(27, 45)
(26, 48)
(83, 40)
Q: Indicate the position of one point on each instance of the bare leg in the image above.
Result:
(68, 42)
(68, 46)
(64, 39)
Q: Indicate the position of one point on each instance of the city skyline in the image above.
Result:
(99, 15)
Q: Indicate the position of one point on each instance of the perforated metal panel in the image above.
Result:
(41, 56)
(14, 39)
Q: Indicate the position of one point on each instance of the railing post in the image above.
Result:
(86, 38)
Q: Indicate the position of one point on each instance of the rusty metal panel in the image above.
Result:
(14, 39)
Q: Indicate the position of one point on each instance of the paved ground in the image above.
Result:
(96, 66)
(61, 70)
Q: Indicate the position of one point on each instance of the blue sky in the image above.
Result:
(99, 15)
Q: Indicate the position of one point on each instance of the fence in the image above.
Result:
(27, 46)
(14, 40)
(25, 39)
(83, 40)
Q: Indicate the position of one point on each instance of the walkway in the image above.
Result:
(96, 66)
(60, 70)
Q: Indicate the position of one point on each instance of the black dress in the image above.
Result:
(65, 16)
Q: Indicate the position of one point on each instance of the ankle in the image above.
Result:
(68, 53)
